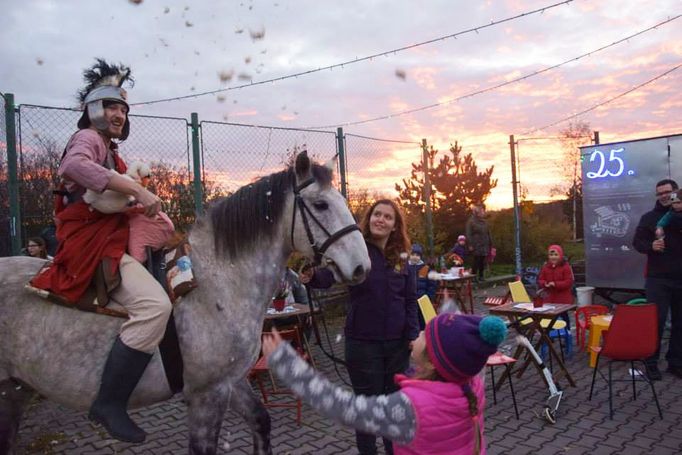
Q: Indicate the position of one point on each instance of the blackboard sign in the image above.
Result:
(619, 182)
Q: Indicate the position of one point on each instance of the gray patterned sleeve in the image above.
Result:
(391, 416)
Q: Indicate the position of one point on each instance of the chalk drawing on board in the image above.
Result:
(612, 221)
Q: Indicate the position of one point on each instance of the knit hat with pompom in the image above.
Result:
(459, 345)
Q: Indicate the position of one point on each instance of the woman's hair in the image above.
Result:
(398, 240)
(41, 243)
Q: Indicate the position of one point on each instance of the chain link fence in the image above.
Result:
(161, 142)
(375, 166)
(234, 154)
(230, 155)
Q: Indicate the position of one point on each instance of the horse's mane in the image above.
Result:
(253, 211)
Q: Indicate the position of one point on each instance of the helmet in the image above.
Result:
(417, 249)
(104, 83)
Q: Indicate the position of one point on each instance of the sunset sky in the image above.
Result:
(178, 48)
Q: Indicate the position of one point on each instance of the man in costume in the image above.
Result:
(93, 244)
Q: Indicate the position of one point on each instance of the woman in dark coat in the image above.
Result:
(382, 320)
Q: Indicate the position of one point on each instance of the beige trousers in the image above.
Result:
(147, 304)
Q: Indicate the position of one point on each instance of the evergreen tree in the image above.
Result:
(456, 184)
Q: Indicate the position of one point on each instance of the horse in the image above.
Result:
(239, 253)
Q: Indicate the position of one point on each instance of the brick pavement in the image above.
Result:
(582, 427)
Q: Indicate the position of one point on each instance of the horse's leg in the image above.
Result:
(250, 408)
(205, 412)
(14, 397)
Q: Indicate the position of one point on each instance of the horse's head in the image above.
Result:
(322, 227)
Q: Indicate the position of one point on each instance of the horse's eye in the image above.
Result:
(320, 205)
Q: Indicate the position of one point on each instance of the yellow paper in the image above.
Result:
(518, 292)
(426, 308)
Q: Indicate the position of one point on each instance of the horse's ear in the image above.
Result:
(331, 164)
(302, 165)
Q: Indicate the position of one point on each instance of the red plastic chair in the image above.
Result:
(582, 321)
(496, 360)
(632, 336)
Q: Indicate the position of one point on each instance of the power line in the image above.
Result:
(637, 87)
(360, 59)
(383, 140)
(502, 84)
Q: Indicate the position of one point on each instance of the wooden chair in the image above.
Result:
(261, 368)
(426, 308)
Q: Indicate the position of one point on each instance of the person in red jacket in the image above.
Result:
(555, 282)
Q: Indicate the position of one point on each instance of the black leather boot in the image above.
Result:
(121, 374)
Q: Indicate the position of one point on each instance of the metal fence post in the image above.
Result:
(196, 164)
(517, 216)
(427, 197)
(14, 207)
(342, 161)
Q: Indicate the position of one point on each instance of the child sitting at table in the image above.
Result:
(555, 282)
(425, 286)
(439, 410)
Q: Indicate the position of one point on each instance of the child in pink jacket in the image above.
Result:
(437, 412)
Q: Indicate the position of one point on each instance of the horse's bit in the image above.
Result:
(303, 208)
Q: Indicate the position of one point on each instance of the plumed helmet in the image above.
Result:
(103, 83)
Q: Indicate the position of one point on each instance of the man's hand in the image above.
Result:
(270, 342)
(126, 185)
(306, 275)
(150, 202)
(658, 245)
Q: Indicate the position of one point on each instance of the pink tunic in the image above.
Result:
(82, 168)
(144, 231)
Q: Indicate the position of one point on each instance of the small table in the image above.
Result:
(459, 287)
(298, 310)
(515, 312)
(597, 325)
(292, 309)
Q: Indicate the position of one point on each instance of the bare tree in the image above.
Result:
(576, 134)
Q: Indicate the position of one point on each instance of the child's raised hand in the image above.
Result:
(270, 342)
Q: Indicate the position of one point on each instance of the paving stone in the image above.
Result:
(583, 426)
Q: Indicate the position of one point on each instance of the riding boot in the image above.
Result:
(121, 374)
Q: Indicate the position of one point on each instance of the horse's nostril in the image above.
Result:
(358, 272)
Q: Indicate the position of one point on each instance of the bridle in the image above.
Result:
(307, 214)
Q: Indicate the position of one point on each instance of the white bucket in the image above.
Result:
(584, 295)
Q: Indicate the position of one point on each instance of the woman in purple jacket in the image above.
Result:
(382, 319)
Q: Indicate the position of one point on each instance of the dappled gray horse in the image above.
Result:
(239, 253)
